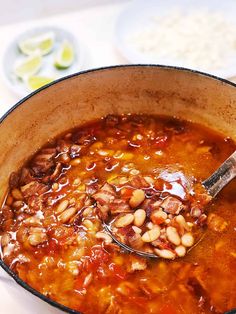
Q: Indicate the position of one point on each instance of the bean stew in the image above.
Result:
(142, 176)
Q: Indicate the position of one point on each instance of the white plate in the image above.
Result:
(138, 15)
(13, 53)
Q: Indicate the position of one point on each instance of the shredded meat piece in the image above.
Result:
(103, 211)
(202, 220)
(107, 200)
(26, 176)
(172, 205)
(14, 180)
(161, 244)
(43, 162)
(138, 182)
(135, 241)
(56, 172)
(105, 195)
(5, 214)
(119, 206)
(34, 188)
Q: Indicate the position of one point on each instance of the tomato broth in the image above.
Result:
(142, 175)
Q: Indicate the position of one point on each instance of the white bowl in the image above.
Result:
(12, 53)
(138, 15)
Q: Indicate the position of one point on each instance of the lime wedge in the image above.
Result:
(35, 82)
(42, 43)
(65, 56)
(28, 66)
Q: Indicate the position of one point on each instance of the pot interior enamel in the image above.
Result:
(116, 90)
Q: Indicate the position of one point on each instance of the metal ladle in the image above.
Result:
(213, 185)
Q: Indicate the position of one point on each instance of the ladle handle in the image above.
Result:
(222, 176)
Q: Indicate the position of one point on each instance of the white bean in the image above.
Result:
(139, 217)
(62, 206)
(137, 198)
(136, 229)
(187, 239)
(173, 236)
(180, 250)
(149, 225)
(124, 221)
(67, 214)
(151, 235)
(37, 238)
(165, 253)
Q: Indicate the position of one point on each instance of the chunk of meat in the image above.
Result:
(119, 206)
(105, 195)
(172, 205)
(107, 201)
(216, 223)
(14, 180)
(26, 176)
(139, 182)
(44, 161)
(56, 172)
(135, 241)
(34, 188)
(6, 214)
(162, 244)
(198, 204)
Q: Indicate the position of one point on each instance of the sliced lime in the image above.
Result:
(28, 66)
(35, 82)
(65, 56)
(42, 43)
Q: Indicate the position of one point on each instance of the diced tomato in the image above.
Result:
(126, 192)
(157, 220)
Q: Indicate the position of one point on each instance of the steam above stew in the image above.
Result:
(142, 175)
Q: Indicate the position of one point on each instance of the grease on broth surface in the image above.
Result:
(52, 235)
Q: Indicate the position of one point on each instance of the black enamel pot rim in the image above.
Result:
(2, 264)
